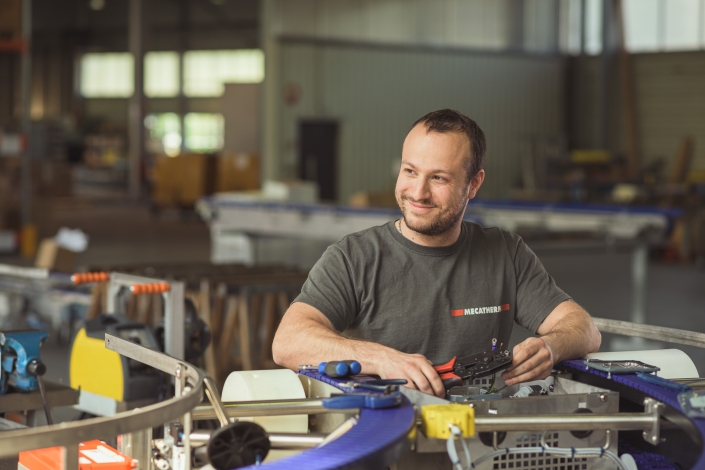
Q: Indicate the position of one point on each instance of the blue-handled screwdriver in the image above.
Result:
(339, 368)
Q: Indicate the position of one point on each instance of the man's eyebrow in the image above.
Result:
(432, 171)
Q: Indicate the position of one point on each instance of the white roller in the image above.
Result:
(674, 363)
(276, 384)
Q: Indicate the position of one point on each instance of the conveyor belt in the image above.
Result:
(662, 394)
(381, 437)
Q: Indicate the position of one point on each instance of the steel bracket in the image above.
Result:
(654, 408)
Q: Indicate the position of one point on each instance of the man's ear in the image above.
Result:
(475, 184)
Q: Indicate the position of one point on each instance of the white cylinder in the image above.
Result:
(278, 384)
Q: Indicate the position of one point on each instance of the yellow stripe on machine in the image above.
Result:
(106, 380)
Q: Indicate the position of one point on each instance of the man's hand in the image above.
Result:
(324, 344)
(532, 360)
(415, 368)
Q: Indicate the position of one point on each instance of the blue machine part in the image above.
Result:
(362, 400)
(17, 350)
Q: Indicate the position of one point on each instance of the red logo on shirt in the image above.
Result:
(479, 310)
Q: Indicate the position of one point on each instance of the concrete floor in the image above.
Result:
(122, 234)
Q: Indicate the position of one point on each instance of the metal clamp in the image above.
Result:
(654, 408)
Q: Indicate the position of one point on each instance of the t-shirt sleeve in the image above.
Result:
(330, 289)
(537, 292)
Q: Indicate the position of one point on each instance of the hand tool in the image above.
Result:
(475, 366)
(339, 368)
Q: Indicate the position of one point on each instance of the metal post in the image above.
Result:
(26, 74)
(136, 112)
(70, 457)
(640, 265)
(605, 72)
(174, 321)
(138, 445)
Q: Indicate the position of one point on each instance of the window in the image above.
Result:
(650, 25)
(204, 131)
(205, 72)
(164, 133)
(107, 75)
(682, 20)
(161, 74)
(641, 24)
(593, 26)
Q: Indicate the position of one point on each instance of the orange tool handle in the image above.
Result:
(151, 288)
(87, 278)
(447, 367)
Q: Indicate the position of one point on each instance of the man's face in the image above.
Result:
(432, 188)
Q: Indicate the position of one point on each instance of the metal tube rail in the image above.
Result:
(279, 440)
(290, 441)
(248, 409)
(658, 333)
(566, 422)
(73, 433)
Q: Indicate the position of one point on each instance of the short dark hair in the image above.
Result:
(450, 120)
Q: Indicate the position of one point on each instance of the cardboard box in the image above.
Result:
(237, 171)
(10, 20)
(374, 199)
(52, 256)
(182, 180)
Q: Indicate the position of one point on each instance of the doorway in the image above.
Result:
(318, 155)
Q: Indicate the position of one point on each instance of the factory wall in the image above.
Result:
(377, 92)
(63, 30)
(670, 96)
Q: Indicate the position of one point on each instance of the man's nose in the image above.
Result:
(421, 190)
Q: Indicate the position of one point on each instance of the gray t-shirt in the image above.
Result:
(441, 302)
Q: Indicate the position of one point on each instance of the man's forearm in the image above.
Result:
(309, 342)
(572, 338)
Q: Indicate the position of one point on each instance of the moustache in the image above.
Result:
(423, 202)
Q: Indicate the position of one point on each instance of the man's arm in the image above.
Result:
(306, 336)
(566, 333)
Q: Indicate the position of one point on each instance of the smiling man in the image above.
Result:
(429, 286)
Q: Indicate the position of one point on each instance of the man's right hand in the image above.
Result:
(306, 336)
(415, 368)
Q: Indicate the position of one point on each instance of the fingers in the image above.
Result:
(532, 360)
(416, 369)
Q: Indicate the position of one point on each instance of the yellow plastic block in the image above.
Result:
(438, 418)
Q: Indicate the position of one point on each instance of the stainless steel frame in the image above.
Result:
(73, 433)
(173, 308)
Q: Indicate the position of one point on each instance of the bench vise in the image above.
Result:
(20, 362)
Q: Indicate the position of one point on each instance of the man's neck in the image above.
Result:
(444, 239)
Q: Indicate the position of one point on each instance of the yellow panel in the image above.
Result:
(96, 369)
(438, 418)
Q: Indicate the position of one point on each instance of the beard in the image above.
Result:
(444, 220)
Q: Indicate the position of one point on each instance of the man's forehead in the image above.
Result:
(420, 133)
(421, 140)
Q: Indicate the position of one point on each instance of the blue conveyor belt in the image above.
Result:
(380, 436)
(660, 393)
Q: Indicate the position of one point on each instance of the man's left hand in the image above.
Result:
(532, 360)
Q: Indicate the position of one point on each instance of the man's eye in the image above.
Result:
(440, 178)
